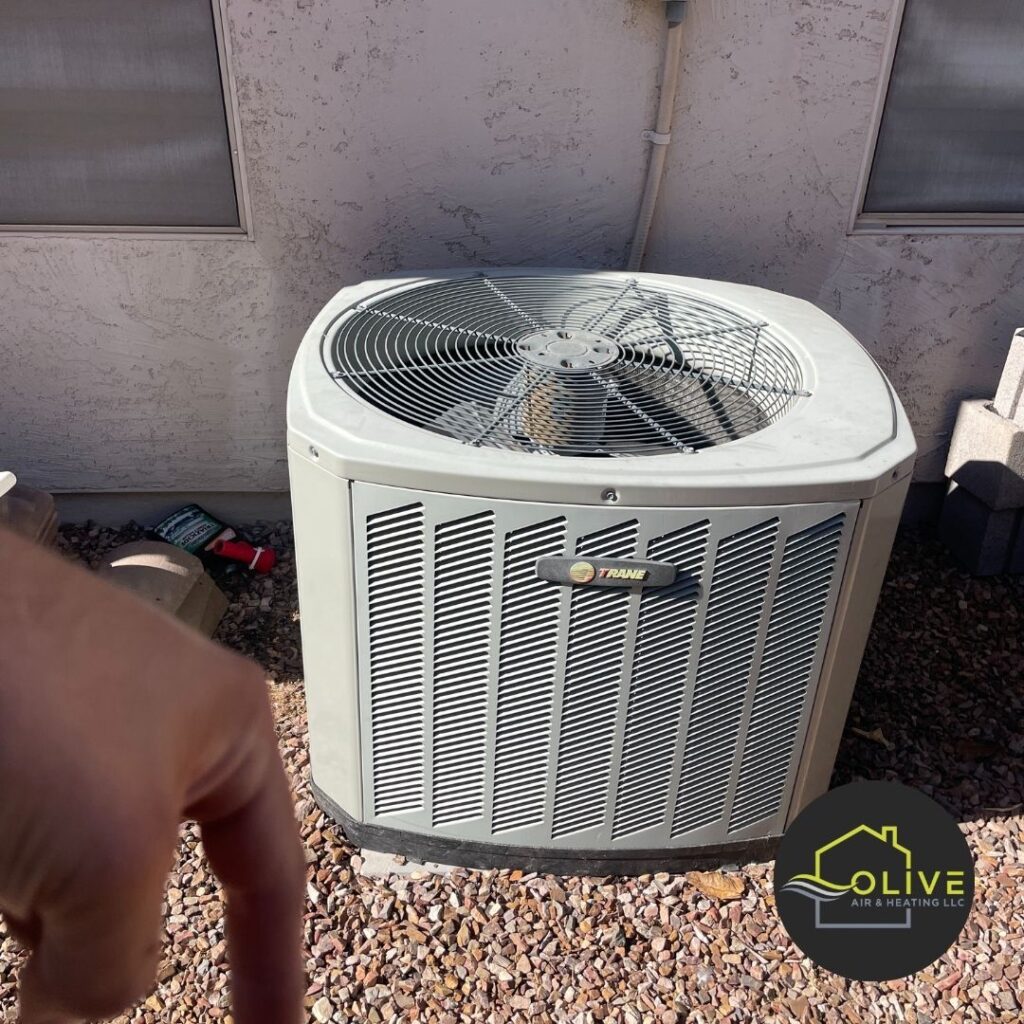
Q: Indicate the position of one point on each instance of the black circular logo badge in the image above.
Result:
(874, 881)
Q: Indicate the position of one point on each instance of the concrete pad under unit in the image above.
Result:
(986, 456)
(375, 864)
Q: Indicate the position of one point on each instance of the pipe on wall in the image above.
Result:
(662, 133)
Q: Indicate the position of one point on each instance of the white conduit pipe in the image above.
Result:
(660, 137)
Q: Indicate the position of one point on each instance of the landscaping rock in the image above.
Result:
(943, 679)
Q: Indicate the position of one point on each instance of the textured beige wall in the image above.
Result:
(775, 105)
(387, 134)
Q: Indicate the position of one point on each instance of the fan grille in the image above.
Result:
(572, 366)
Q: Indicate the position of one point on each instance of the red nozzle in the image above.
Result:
(260, 559)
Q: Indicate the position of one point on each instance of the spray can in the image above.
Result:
(216, 543)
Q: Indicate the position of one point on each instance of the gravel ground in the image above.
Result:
(938, 705)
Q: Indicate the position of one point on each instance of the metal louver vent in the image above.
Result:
(794, 634)
(463, 557)
(559, 365)
(503, 708)
(527, 669)
(729, 641)
(394, 552)
(665, 632)
(590, 698)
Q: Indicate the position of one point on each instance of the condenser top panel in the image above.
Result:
(567, 385)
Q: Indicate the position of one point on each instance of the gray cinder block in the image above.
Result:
(986, 456)
(28, 511)
(1017, 554)
(979, 536)
(1009, 400)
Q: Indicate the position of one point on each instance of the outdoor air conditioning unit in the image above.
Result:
(586, 561)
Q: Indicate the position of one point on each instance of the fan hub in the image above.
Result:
(567, 349)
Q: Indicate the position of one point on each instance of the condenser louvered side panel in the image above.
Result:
(795, 632)
(463, 564)
(395, 587)
(727, 648)
(664, 641)
(527, 667)
(496, 706)
(597, 636)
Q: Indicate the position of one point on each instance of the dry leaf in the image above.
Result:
(876, 736)
(716, 885)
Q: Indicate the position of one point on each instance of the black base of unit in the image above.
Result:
(470, 854)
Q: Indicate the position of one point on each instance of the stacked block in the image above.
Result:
(983, 513)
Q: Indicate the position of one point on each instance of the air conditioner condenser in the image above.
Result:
(586, 562)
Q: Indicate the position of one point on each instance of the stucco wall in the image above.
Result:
(387, 134)
(775, 105)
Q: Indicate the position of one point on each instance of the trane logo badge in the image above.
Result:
(586, 572)
(582, 572)
(608, 572)
(637, 575)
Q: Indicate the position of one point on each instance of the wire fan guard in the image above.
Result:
(563, 365)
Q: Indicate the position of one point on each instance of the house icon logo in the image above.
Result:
(845, 858)
(874, 881)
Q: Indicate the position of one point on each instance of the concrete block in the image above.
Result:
(986, 456)
(1009, 400)
(204, 607)
(169, 578)
(1016, 565)
(27, 511)
(376, 864)
(981, 538)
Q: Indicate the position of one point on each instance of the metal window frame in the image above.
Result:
(243, 230)
(862, 223)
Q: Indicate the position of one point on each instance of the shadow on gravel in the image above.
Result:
(262, 620)
(939, 703)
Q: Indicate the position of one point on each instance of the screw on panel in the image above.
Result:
(610, 495)
(314, 451)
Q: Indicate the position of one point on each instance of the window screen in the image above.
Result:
(112, 113)
(952, 133)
